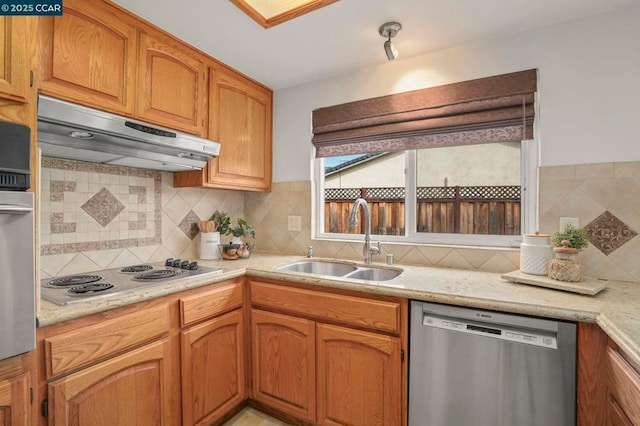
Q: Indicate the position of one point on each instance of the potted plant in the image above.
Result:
(242, 229)
(565, 265)
(578, 238)
(222, 221)
(237, 248)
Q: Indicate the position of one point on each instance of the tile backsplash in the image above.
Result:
(268, 212)
(605, 198)
(95, 216)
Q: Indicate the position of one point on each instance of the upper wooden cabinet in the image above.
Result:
(240, 116)
(240, 119)
(88, 55)
(172, 84)
(14, 58)
(99, 55)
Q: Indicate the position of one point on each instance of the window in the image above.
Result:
(451, 164)
(467, 195)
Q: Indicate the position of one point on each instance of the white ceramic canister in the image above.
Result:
(209, 245)
(535, 253)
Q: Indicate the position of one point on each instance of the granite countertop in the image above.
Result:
(616, 309)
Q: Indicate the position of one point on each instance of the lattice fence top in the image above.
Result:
(341, 193)
(385, 193)
(511, 192)
(490, 192)
(436, 192)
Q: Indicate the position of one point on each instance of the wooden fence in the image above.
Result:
(491, 210)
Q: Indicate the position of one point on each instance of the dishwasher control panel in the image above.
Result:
(541, 338)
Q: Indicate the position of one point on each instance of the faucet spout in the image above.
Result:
(367, 250)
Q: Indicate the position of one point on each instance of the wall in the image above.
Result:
(95, 216)
(587, 90)
(588, 107)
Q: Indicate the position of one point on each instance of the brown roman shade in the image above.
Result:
(492, 109)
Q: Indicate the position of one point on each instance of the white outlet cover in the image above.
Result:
(564, 221)
(294, 223)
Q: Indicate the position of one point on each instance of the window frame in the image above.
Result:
(529, 158)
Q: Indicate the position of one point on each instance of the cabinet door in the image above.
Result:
(240, 119)
(283, 351)
(137, 388)
(615, 415)
(359, 377)
(623, 383)
(14, 56)
(14, 401)
(88, 55)
(172, 84)
(213, 369)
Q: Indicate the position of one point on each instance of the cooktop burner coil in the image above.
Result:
(73, 280)
(156, 274)
(136, 268)
(89, 289)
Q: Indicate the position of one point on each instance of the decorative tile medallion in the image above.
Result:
(608, 233)
(91, 206)
(103, 207)
(189, 225)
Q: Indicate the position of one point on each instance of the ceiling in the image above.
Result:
(343, 36)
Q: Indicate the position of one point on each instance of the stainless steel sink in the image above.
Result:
(319, 267)
(374, 274)
(345, 270)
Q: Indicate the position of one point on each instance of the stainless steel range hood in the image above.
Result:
(70, 131)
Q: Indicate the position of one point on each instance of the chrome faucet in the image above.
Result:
(368, 250)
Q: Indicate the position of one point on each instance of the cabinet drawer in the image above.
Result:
(624, 385)
(77, 348)
(356, 311)
(223, 298)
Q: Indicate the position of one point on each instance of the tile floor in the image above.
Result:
(251, 417)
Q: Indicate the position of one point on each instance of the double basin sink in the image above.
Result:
(342, 270)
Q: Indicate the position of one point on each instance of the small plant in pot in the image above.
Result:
(578, 238)
(237, 248)
(565, 265)
(241, 230)
(222, 221)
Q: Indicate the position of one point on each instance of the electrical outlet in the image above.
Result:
(294, 223)
(564, 221)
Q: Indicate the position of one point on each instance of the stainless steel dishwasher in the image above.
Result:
(482, 368)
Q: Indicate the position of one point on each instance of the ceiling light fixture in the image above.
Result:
(389, 30)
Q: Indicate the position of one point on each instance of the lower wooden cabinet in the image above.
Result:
(283, 350)
(359, 377)
(14, 401)
(623, 386)
(616, 416)
(213, 369)
(325, 361)
(137, 388)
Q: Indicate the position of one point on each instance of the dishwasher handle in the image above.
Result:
(15, 209)
(521, 335)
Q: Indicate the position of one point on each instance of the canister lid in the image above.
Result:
(537, 239)
(538, 235)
